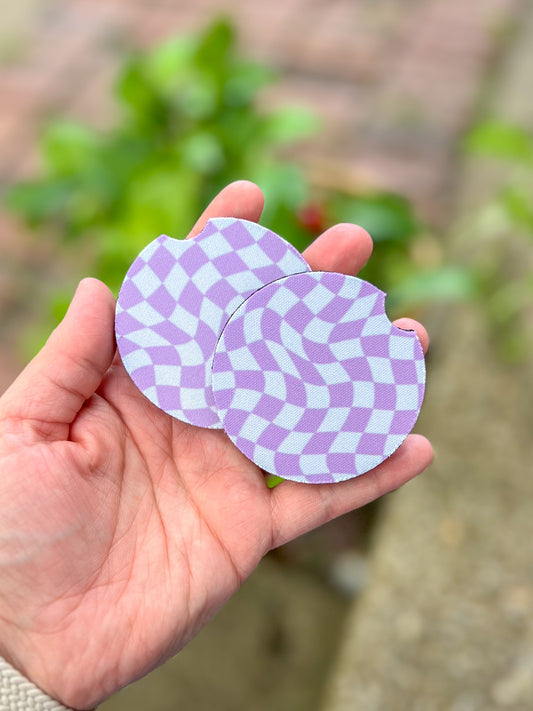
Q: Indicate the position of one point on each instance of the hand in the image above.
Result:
(123, 530)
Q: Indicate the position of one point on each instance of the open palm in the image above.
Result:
(123, 530)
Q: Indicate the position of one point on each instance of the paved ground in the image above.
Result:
(447, 620)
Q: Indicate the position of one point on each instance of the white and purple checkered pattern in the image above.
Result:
(313, 382)
(176, 299)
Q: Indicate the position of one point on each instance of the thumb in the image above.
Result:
(71, 365)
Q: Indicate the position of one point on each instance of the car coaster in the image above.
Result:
(303, 370)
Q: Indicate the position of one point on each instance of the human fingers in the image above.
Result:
(52, 388)
(409, 324)
(297, 509)
(344, 248)
(241, 199)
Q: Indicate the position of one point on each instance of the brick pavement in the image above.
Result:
(396, 81)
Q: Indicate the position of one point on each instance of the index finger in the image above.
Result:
(242, 199)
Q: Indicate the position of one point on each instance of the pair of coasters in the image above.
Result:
(303, 370)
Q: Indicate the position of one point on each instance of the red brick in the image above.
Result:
(25, 90)
(345, 60)
(338, 107)
(8, 126)
(14, 241)
(17, 152)
(148, 26)
(93, 101)
(423, 182)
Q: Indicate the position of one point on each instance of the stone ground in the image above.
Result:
(397, 82)
(447, 622)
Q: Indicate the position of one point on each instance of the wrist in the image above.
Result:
(25, 679)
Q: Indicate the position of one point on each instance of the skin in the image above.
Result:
(123, 530)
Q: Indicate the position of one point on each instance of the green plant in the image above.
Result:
(504, 268)
(407, 262)
(189, 124)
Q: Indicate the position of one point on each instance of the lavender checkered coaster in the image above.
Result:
(313, 382)
(176, 299)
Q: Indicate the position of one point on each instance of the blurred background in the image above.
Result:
(121, 119)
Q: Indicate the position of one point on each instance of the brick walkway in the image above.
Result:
(397, 82)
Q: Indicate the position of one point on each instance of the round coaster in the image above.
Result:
(175, 300)
(313, 382)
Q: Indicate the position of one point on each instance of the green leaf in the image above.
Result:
(282, 184)
(203, 153)
(447, 283)
(163, 199)
(215, 46)
(60, 303)
(245, 81)
(387, 217)
(132, 87)
(198, 97)
(290, 124)
(166, 64)
(518, 203)
(272, 480)
(501, 140)
(37, 201)
(69, 148)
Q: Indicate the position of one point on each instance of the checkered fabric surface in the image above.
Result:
(175, 300)
(313, 382)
